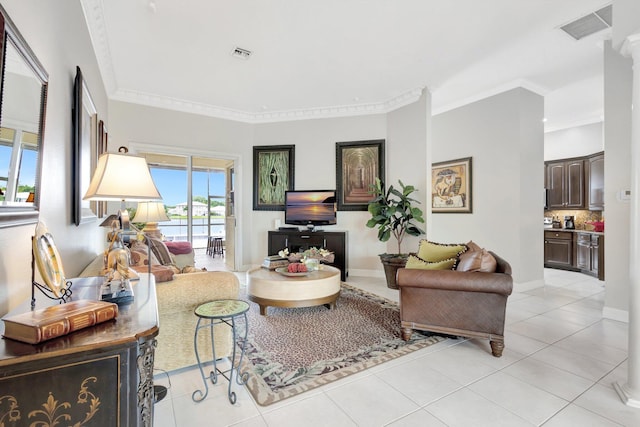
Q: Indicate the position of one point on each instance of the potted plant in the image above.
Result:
(394, 214)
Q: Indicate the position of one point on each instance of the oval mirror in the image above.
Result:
(23, 94)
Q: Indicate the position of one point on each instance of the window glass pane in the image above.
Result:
(172, 185)
(5, 160)
(27, 172)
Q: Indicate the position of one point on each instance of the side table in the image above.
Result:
(221, 311)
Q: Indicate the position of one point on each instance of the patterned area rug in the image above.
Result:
(292, 350)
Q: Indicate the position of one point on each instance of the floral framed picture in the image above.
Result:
(451, 186)
(358, 164)
(273, 174)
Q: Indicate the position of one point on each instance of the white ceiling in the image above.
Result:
(328, 58)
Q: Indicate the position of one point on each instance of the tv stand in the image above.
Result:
(298, 241)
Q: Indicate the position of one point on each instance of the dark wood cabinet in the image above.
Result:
(298, 241)
(565, 180)
(595, 182)
(101, 375)
(576, 183)
(558, 249)
(575, 251)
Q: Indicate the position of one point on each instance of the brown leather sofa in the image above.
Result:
(468, 304)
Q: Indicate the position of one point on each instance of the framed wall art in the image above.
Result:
(85, 136)
(451, 186)
(358, 164)
(97, 149)
(273, 174)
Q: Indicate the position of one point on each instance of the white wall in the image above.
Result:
(57, 34)
(407, 157)
(574, 142)
(618, 78)
(504, 136)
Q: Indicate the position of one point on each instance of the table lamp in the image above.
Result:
(151, 213)
(119, 176)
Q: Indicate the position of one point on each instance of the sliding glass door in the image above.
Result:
(193, 189)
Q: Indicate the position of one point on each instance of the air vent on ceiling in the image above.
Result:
(589, 24)
(241, 53)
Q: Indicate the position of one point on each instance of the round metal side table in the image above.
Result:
(227, 311)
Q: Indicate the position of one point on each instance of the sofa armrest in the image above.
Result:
(498, 283)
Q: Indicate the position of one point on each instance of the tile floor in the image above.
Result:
(560, 361)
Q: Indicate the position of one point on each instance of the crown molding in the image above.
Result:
(631, 47)
(515, 84)
(94, 16)
(157, 101)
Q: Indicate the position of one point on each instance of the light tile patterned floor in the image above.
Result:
(558, 367)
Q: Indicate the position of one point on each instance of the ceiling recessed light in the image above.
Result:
(241, 53)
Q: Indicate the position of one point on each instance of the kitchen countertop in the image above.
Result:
(598, 233)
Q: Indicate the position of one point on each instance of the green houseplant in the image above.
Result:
(393, 213)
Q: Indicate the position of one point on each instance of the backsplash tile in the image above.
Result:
(581, 216)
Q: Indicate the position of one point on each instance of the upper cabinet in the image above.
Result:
(565, 182)
(595, 182)
(576, 183)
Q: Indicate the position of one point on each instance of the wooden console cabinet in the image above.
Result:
(297, 241)
(101, 375)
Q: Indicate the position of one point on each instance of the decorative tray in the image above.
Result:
(285, 272)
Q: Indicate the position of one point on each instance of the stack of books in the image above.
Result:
(274, 261)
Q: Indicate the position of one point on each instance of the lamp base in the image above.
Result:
(117, 291)
(151, 229)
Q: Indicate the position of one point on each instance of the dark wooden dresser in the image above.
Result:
(99, 376)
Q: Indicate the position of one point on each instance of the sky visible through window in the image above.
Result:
(172, 184)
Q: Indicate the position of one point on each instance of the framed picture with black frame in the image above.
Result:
(273, 175)
(85, 143)
(358, 164)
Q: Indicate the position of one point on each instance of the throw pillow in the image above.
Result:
(477, 260)
(434, 252)
(415, 262)
(161, 252)
(140, 255)
(162, 273)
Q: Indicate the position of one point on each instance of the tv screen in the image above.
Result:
(311, 207)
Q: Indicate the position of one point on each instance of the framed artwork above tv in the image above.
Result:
(358, 164)
(273, 175)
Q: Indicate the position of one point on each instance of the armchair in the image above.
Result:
(461, 303)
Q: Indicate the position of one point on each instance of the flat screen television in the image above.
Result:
(310, 207)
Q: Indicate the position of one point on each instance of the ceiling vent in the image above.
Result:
(590, 24)
(241, 53)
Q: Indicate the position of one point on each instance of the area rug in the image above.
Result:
(293, 350)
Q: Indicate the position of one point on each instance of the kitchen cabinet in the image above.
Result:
(558, 249)
(595, 182)
(576, 183)
(298, 241)
(565, 180)
(590, 254)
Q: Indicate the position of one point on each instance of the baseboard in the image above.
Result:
(366, 273)
(527, 286)
(615, 314)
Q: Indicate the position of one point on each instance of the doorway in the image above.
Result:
(195, 190)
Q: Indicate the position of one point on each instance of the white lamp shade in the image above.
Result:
(122, 177)
(150, 212)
